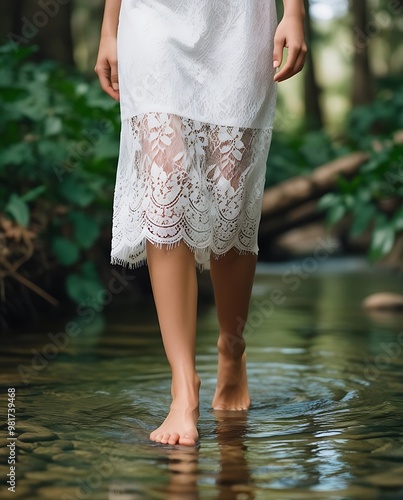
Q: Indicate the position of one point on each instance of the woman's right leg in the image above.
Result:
(174, 284)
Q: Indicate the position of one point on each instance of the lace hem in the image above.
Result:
(126, 258)
(181, 179)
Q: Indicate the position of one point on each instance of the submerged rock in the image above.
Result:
(388, 479)
(384, 301)
(25, 446)
(54, 492)
(35, 437)
(47, 452)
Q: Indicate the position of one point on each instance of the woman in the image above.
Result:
(196, 82)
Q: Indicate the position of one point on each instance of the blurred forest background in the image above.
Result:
(335, 166)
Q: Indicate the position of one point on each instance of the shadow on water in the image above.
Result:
(326, 381)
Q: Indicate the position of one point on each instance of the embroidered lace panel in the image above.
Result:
(182, 179)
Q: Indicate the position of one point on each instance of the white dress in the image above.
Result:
(197, 105)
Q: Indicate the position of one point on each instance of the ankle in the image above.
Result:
(231, 346)
(185, 387)
(185, 377)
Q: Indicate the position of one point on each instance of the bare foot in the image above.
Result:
(232, 391)
(179, 427)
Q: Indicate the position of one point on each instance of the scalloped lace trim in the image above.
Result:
(181, 179)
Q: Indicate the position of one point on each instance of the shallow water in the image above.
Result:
(326, 381)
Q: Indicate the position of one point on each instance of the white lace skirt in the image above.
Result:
(180, 179)
(197, 103)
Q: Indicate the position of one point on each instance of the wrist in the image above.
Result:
(299, 16)
(296, 9)
(108, 33)
(109, 28)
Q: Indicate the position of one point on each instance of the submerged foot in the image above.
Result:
(179, 427)
(232, 391)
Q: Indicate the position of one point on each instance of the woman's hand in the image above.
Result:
(290, 35)
(107, 66)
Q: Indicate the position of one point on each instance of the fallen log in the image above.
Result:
(303, 188)
(300, 215)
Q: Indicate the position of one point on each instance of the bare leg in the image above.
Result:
(174, 283)
(232, 276)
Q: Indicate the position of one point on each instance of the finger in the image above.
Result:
(115, 82)
(287, 69)
(292, 57)
(297, 67)
(278, 52)
(299, 64)
(106, 84)
(114, 75)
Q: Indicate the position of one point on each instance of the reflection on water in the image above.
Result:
(326, 381)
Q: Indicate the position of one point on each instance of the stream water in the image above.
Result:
(326, 380)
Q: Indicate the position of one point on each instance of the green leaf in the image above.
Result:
(363, 214)
(335, 214)
(66, 251)
(86, 229)
(86, 286)
(397, 220)
(89, 270)
(327, 200)
(364, 195)
(377, 160)
(32, 194)
(383, 237)
(51, 150)
(34, 108)
(76, 191)
(349, 201)
(343, 184)
(18, 209)
(53, 125)
(107, 148)
(17, 154)
(12, 94)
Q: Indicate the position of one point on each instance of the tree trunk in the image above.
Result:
(362, 88)
(313, 111)
(46, 25)
(17, 8)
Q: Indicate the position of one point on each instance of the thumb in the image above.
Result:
(278, 52)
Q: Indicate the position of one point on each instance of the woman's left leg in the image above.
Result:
(232, 276)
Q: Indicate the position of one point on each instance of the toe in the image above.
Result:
(219, 407)
(165, 438)
(187, 440)
(174, 438)
(158, 437)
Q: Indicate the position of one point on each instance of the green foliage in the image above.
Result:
(377, 120)
(374, 195)
(58, 149)
(18, 209)
(299, 154)
(369, 128)
(84, 284)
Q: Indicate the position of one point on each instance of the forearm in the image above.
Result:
(111, 17)
(294, 8)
